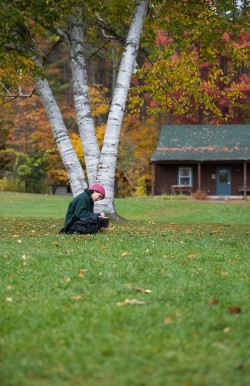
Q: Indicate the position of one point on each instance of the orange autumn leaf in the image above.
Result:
(213, 302)
(234, 310)
(169, 320)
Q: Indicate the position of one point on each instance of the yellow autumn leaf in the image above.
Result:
(76, 297)
(146, 291)
(82, 273)
(170, 256)
(124, 254)
(130, 301)
(191, 255)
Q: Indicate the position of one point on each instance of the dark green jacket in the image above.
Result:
(81, 206)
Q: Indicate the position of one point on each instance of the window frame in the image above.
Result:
(190, 176)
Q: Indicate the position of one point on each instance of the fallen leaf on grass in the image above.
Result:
(170, 256)
(214, 232)
(9, 300)
(146, 291)
(76, 297)
(130, 301)
(82, 273)
(169, 320)
(96, 260)
(213, 302)
(234, 310)
(124, 254)
(226, 330)
(191, 255)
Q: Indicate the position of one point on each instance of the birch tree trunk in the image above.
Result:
(100, 166)
(67, 152)
(81, 99)
(107, 165)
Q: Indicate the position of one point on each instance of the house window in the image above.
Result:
(185, 176)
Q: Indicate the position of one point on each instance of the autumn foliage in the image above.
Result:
(193, 68)
(199, 72)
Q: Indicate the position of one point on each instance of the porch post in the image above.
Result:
(153, 178)
(199, 176)
(245, 179)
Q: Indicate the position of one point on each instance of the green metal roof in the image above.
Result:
(203, 143)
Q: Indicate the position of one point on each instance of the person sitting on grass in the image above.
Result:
(80, 216)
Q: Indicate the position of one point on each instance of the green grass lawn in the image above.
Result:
(162, 300)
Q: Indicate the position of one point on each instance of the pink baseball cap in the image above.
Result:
(98, 188)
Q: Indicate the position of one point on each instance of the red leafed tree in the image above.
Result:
(188, 78)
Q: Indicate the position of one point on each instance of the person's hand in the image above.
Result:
(102, 214)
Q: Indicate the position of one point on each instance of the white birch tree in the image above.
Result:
(68, 21)
(100, 163)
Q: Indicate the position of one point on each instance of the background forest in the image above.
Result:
(29, 158)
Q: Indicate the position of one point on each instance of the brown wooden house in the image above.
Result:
(206, 158)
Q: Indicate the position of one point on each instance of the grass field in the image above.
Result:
(162, 300)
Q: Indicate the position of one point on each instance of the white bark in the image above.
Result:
(107, 165)
(67, 152)
(100, 168)
(81, 100)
